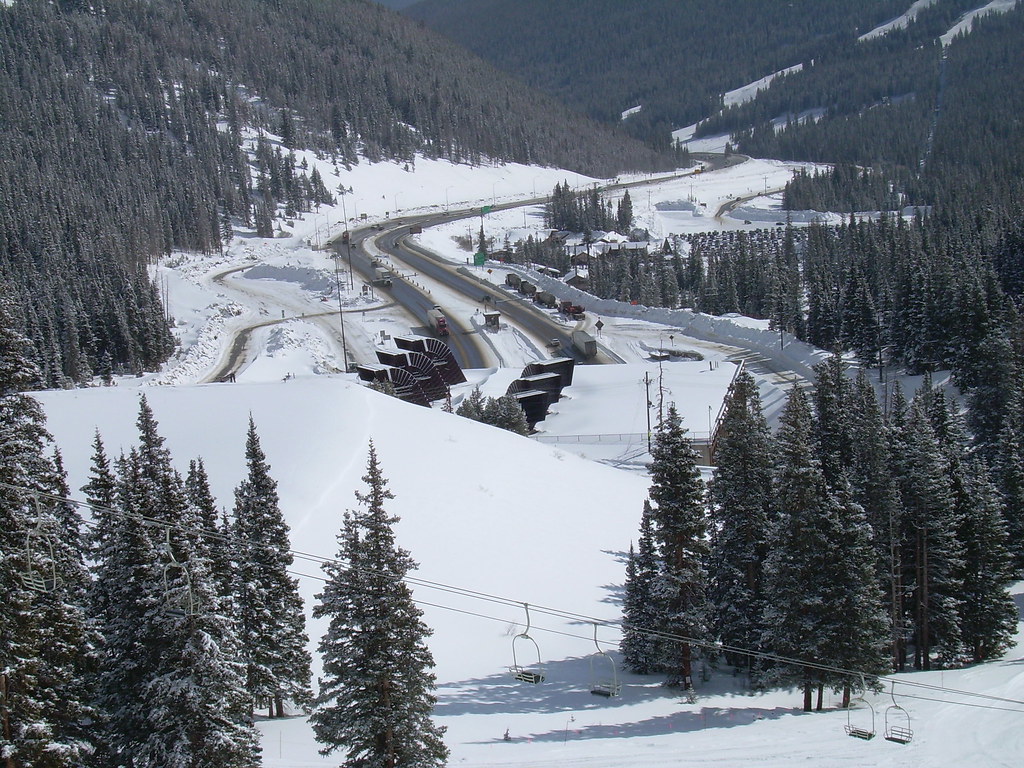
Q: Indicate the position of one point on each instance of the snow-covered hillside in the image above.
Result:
(496, 520)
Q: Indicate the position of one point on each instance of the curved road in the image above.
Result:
(392, 240)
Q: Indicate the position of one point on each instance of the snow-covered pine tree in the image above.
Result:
(624, 214)
(680, 531)
(200, 705)
(272, 623)
(639, 615)
(933, 559)
(472, 406)
(1008, 474)
(862, 637)
(988, 616)
(215, 542)
(101, 493)
(874, 488)
(833, 392)
(376, 696)
(171, 684)
(44, 644)
(800, 571)
(742, 519)
(506, 413)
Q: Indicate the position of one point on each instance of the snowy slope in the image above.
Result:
(487, 512)
(512, 521)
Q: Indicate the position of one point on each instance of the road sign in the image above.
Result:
(479, 259)
(485, 209)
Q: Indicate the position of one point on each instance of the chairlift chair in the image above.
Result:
(34, 577)
(859, 729)
(897, 722)
(179, 599)
(604, 680)
(521, 673)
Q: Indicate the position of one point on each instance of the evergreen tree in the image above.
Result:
(874, 488)
(45, 643)
(376, 696)
(171, 686)
(823, 602)
(1008, 474)
(680, 532)
(271, 621)
(472, 406)
(742, 519)
(624, 214)
(215, 541)
(639, 618)
(506, 413)
(833, 392)
(933, 561)
(988, 616)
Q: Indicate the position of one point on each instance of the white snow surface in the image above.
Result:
(965, 23)
(509, 518)
(749, 91)
(900, 22)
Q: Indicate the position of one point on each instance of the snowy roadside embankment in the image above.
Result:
(736, 331)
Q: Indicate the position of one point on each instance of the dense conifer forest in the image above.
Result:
(127, 131)
(675, 58)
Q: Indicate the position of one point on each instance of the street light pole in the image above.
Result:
(341, 313)
(348, 247)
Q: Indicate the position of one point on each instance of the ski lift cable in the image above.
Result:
(554, 612)
(759, 654)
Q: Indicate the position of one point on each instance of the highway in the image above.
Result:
(392, 240)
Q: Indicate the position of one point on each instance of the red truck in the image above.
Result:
(575, 311)
(438, 323)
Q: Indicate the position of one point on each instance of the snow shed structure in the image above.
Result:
(421, 370)
(540, 385)
(438, 352)
(406, 386)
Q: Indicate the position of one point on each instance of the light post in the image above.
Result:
(341, 313)
(493, 197)
(348, 247)
(446, 197)
(395, 199)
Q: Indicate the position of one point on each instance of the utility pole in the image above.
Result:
(346, 236)
(647, 385)
(341, 312)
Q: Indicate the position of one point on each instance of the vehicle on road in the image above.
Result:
(438, 322)
(585, 344)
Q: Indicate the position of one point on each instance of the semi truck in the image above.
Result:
(381, 276)
(575, 311)
(584, 343)
(438, 322)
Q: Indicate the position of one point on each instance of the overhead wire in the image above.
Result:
(552, 612)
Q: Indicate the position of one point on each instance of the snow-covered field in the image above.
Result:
(505, 518)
